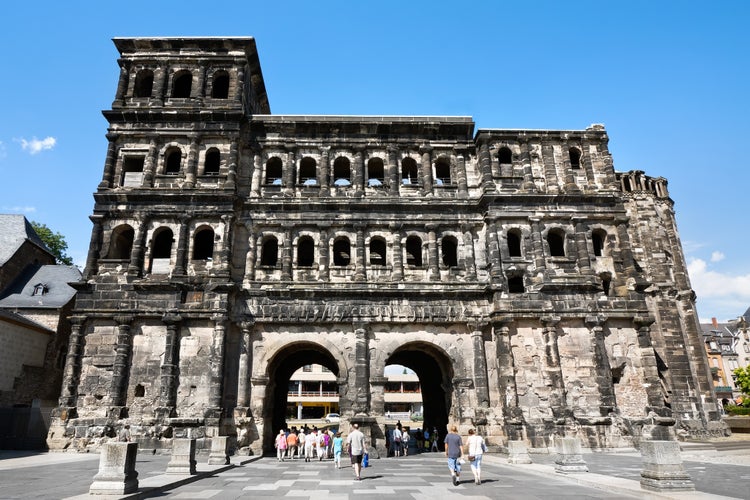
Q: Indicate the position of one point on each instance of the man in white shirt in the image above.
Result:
(355, 443)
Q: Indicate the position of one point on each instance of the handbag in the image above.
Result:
(472, 458)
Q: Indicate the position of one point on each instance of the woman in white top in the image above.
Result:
(475, 447)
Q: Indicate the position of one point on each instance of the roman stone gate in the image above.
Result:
(535, 291)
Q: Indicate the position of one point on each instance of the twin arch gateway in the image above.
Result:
(535, 291)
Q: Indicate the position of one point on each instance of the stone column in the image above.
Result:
(323, 255)
(468, 254)
(73, 362)
(289, 170)
(569, 458)
(495, 262)
(662, 467)
(570, 183)
(149, 165)
(528, 185)
(170, 367)
(481, 384)
(160, 78)
(109, 163)
(225, 252)
(240, 93)
(231, 183)
(463, 185)
(182, 249)
(434, 257)
(257, 175)
(323, 172)
(122, 88)
(95, 246)
(246, 365)
(603, 368)
(540, 262)
(587, 164)
(359, 171)
(485, 168)
(192, 163)
(550, 172)
(359, 271)
(251, 257)
(117, 474)
(393, 171)
(398, 254)
(558, 394)
(286, 255)
(121, 367)
(506, 371)
(656, 398)
(426, 166)
(135, 266)
(200, 80)
(215, 394)
(361, 401)
(582, 248)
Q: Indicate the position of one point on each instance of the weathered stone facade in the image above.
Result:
(536, 292)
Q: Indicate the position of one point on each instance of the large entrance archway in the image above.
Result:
(291, 358)
(433, 367)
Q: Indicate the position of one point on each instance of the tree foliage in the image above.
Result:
(54, 241)
(742, 379)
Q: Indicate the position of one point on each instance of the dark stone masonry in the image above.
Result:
(537, 292)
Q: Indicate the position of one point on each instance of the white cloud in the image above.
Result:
(719, 294)
(18, 209)
(35, 145)
(717, 256)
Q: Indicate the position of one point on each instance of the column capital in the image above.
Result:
(596, 320)
(550, 320)
(171, 318)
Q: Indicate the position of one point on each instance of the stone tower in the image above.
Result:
(535, 291)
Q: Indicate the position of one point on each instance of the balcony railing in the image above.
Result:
(312, 394)
(723, 388)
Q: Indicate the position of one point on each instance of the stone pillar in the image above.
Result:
(359, 271)
(518, 453)
(225, 252)
(656, 398)
(180, 268)
(377, 395)
(434, 257)
(398, 254)
(587, 164)
(219, 454)
(558, 394)
(286, 256)
(170, 367)
(240, 92)
(485, 168)
(323, 253)
(528, 185)
(324, 180)
(468, 254)
(122, 88)
(481, 384)
(662, 467)
(149, 164)
(359, 171)
(495, 262)
(393, 171)
(72, 373)
(160, 80)
(506, 371)
(95, 246)
(109, 163)
(216, 362)
(540, 262)
(426, 165)
(251, 257)
(246, 365)
(603, 368)
(135, 266)
(463, 185)
(183, 457)
(121, 366)
(289, 174)
(582, 248)
(117, 474)
(200, 80)
(569, 458)
(570, 183)
(192, 163)
(257, 175)
(231, 183)
(361, 403)
(550, 172)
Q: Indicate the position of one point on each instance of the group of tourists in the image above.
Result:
(309, 444)
(399, 439)
(475, 448)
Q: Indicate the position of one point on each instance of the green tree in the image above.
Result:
(742, 379)
(54, 241)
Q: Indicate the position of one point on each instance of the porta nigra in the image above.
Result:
(535, 290)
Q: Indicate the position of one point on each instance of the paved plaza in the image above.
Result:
(718, 471)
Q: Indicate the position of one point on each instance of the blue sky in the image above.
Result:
(668, 79)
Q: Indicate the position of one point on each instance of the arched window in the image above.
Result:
(375, 172)
(121, 243)
(450, 251)
(341, 252)
(220, 88)
(514, 243)
(269, 255)
(342, 172)
(144, 83)
(172, 159)
(442, 171)
(305, 252)
(575, 158)
(213, 162)
(274, 168)
(598, 238)
(414, 251)
(556, 242)
(203, 244)
(308, 171)
(162, 246)
(504, 156)
(515, 284)
(408, 171)
(182, 84)
(377, 252)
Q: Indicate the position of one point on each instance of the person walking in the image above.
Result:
(310, 442)
(355, 443)
(435, 437)
(405, 438)
(301, 437)
(338, 447)
(291, 444)
(475, 448)
(454, 452)
(281, 445)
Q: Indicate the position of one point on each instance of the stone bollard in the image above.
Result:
(662, 467)
(219, 455)
(518, 453)
(183, 457)
(117, 474)
(569, 457)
